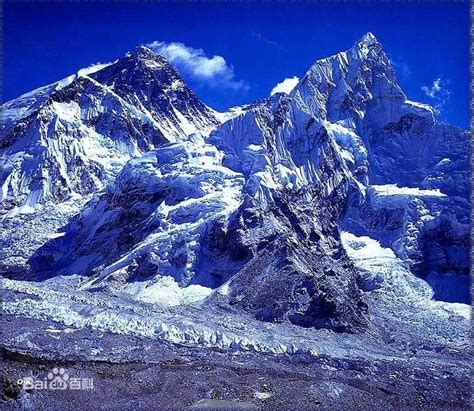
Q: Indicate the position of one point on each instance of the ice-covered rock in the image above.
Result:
(148, 82)
(278, 146)
(151, 220)
(64, 142)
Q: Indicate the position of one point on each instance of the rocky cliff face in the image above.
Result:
(388, 141)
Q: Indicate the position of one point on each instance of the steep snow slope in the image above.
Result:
(377, 137)
(64, 142)
(428, 229)
(21, 107)
(278, 146)
(388, 140)
(79, 139)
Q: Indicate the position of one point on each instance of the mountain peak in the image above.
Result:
(146, 80)
(143, 49)
(368, 39)
(143, 53)
(366, 46)
(137, 67)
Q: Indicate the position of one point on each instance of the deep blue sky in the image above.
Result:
(264, 43)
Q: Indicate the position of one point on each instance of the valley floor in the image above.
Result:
(415, 354)
(246, 381)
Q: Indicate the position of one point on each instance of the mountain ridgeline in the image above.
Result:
(121, 174)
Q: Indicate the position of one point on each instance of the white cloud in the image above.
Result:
(285, 86)
(92, 69)
(194, 63)
(438, 91)
(433, 90)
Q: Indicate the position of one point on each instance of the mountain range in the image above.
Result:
(132, 177)
(326, 227)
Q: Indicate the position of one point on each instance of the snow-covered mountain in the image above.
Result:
(71, 138)
(248, 210)
(374, 137)
(317, 239)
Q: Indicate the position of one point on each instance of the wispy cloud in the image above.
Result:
(195, 64)
(285, 86)
(433, 90)
(261, 38)
(438, 91)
